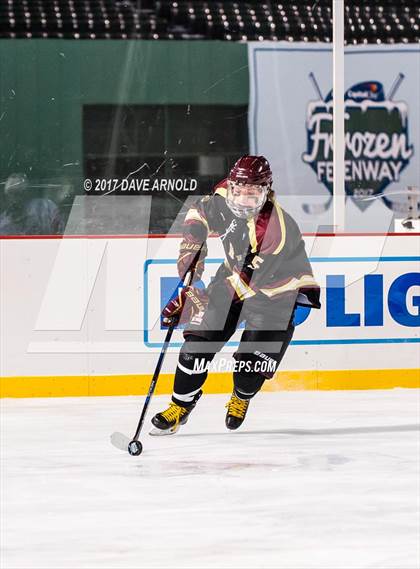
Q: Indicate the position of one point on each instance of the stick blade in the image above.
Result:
(120, 441)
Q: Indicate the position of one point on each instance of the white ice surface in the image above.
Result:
(312, 480)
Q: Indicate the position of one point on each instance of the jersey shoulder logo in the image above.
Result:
(232, 226)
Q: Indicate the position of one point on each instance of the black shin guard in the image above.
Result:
(246, 385)
(258, 357)
(191, 372)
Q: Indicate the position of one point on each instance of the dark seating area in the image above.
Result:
(370, 21)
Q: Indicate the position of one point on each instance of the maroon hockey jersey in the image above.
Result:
(265, 254)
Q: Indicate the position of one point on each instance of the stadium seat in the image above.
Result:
(370, 21)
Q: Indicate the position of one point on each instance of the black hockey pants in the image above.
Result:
(268, 331)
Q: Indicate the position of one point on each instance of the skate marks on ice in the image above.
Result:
(205, 468)
(239, 468)
(316, 432)
(323, 480)
(283, 458)
(152, 466)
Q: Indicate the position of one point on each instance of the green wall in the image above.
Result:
(45, 83)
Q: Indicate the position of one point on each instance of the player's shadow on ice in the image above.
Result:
(315, 432)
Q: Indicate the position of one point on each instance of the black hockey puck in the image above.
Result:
(135, 448)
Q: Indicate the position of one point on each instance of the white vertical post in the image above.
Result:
(338, 113)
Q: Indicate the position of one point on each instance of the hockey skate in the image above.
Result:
(168, 422)
(236, 411)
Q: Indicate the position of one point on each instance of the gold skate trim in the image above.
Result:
(102, 385)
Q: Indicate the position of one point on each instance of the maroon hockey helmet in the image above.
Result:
(248, 185)
(251, 170)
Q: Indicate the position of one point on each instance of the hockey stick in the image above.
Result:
(134, 446)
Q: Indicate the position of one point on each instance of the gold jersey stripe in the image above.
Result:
(194, 214)
(240, 287)
(282, 227)
(252, 233)
(221, 191)
(293, 284)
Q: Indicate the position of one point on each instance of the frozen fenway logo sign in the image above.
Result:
(377, 140)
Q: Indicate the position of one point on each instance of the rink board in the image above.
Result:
(97, 331)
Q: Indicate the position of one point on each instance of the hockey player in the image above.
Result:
(266, 274)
